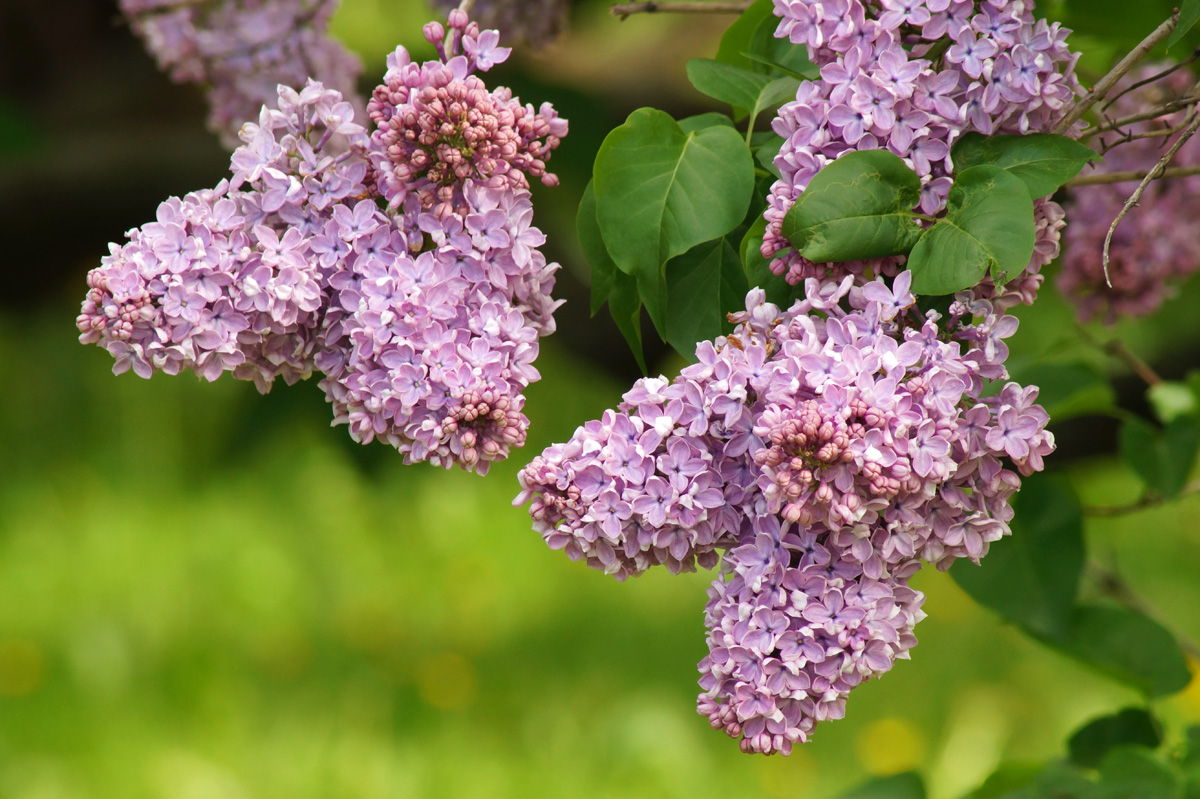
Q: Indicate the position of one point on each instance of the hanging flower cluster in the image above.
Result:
(828, 450)
(535, 23)
(424, 326)
(240, 50)
(1155, 247)
(911, 76)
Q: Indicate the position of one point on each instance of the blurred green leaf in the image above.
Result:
(1191, 755)
(908, 785)
(704, 284)
(1031, 577)
(738, 38)
(780, 54)
(1057, 781)
(1133, 725)
(1005, 780)
(1129, 647)
(1130, 772)
(1043, 161)
(1070, 389)
(1189, 14)
(988, 227)
(661, 191)
(609, 284)
(1161, 458)
(859, 206)
(1171, 399)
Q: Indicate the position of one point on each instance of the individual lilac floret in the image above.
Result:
(535, 23)
(1155, 247)
(912, 77)
(438, 125)
(234, 279)
(241, 50)
(849, 436)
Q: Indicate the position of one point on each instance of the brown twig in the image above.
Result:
(1156, 77)
(1155, 133)
(1129, 176)
(1188, 98)
(624, 10)
(1117, 349)
(1113, 585)
(1106, 84)
(1158, 170)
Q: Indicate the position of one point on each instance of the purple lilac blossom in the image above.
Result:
(1155, 247)
(534, 23)
(424, 327)
(438, 125)
(241, 50)
(828, 451)
(991, 68)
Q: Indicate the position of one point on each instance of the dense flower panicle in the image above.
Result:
(438, 125)
(240, 50)
(232, 279)
(1155, 247)
(849, 439)
(911, 77)
(425, 326)
(535, 23)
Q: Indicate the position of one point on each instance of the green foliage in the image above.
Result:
(609, 284)
(1128, 646)
(743, 89)
(1163, 458)
(988, 227)
(1189, 14)
(1043, 161)
(661, 191)
(750, 43)
(1031, 577)
(1133, 726)
(908, 785)
(859, 206)
(758, 269)
(704, 284)
(1070, 389)
(1129, 771)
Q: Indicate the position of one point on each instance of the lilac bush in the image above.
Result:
(912, 77)
(1155, 247)
(828, 450)
(424, 321)
(241, 50)
(535, 23)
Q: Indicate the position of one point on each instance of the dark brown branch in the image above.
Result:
(624, 10)
(1153, 78)
(1158, 170)
(1106, 84)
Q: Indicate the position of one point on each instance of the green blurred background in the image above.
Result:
(208, 594)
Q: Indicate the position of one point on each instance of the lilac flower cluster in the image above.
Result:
(425, 327)
(535, 23)
(240, 50)
(912, 76)
(1155, 247)
(827, 450)
(438, 124)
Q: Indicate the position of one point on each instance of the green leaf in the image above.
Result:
(899, 786)
(1131, 771)
(1031, 577)
(780, 54)
(702, 121)
(1162, 459)
(626, 309)
(988, 226)
(590, 241)
(1133, 725)
(704, 284)
(1127, 646)
(1191, 756)
(734, 85)
(1189, 14)
(758, 269)
(859, 206)
(1043, 161)
(1171, 399)
(661, 191)
(1069, 389)
(1058, 781)
(739, 36)
(766, 152)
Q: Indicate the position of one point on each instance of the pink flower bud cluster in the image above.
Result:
(535, 23)
(424, 327)
(240, 50)
(438, 125)
(911, 76)
(828, 451)
(1155, 246)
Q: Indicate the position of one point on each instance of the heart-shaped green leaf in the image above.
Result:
(704, 284)
(1043, 161)
(1163, 459)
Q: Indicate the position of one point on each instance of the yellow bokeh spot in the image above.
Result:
(446, 680)
(889, 746)
(1190, 696)
(22, 667)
